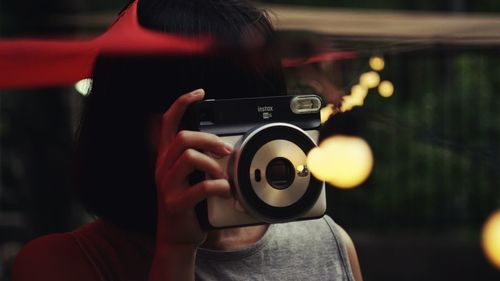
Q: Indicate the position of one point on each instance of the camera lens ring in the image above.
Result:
(247, 195)
(279, 197)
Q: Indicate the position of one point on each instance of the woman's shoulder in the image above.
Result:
(94, 251)
(326, 238)
(323, 229)
(53, 257)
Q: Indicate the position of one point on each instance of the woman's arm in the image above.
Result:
(353, 257)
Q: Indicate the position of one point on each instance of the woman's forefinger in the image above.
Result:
(172, 117)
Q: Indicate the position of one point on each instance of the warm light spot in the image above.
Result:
(325, 113)
(377, 63)
(348, 102)
(300, 168)
(318, 163)
(354, 100)
(369, 79)
(359, 91)
(346, 105)
(490, 238)
(386, 89)
(343, 161)
(84, 86)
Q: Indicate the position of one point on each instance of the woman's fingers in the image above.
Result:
(196, 193)
(188, 162)
(172, 117)
(196, 140)
(178, 157)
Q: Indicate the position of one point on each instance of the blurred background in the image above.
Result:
(435, 140)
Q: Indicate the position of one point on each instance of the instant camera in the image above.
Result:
(267, 170)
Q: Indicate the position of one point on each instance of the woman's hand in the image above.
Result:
(178, 231)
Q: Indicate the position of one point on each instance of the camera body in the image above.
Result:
(267, 170)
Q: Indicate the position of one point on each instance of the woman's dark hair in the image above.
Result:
(114, 169)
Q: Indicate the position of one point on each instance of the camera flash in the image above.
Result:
(305, 104)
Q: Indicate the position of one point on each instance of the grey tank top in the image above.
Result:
(306, 250)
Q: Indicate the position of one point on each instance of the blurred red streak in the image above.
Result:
(29, 63)
(322, 57)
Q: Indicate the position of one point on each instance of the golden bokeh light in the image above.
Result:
(300, 168)
(346, 104)
(490, 239)
(343, 161)
(386, 89)
(317, 162)
(369, 79)
(377, 63)
(354, 100)
(359, 91)
(326, 112)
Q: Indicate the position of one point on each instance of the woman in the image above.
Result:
(133, 164)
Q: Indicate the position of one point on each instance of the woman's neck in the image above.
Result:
(233, 239)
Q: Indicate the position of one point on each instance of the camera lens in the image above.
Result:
(280, 173)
